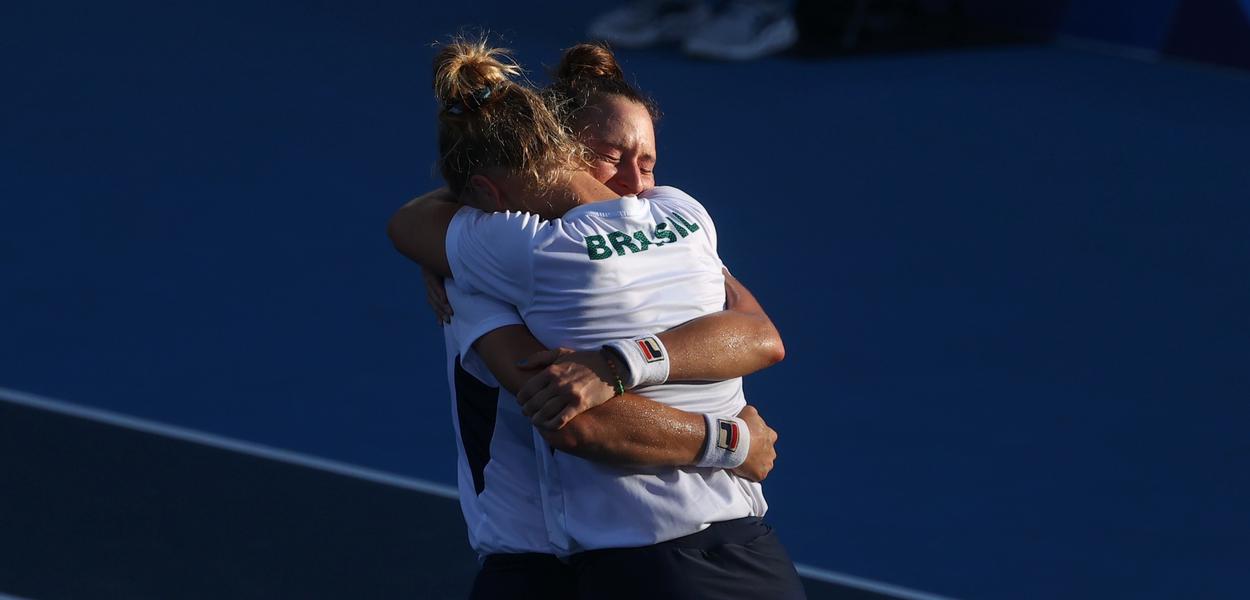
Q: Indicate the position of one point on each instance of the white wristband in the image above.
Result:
(727, 443)
(646, 361)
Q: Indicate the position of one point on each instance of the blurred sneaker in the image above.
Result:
(744, 30)
(649, 22)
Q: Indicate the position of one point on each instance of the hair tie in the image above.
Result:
(474, 102)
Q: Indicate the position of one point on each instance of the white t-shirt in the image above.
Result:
(605, 271)
(497, 468)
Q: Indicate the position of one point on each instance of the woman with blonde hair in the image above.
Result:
(587, 267)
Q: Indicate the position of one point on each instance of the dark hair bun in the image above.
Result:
(588, 61)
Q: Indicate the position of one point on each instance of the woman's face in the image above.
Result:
(622, 137)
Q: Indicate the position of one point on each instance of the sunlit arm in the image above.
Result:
(629, 430)
(419, 229)
(734, 342)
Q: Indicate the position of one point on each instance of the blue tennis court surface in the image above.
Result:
(1012, 283)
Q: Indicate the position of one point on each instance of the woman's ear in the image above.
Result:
(482, 193)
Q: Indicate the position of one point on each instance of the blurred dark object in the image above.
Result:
(835, 27)
(1215, 31)
(722, 30)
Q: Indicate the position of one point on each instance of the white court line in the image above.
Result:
(867, 585)
(358, 472)
(4, 596)
(225, 443)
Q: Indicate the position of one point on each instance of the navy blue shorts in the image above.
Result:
(742, 558)
(524, 577)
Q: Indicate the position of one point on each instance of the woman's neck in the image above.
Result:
(578, 189)
(589, 190)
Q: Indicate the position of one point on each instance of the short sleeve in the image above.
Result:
(476, 315)
(492, 253)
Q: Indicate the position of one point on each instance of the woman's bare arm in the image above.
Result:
(629, 430)
(734, 342)
(419, 229)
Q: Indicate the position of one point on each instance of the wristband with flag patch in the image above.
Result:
(645, 358)
(727, 443)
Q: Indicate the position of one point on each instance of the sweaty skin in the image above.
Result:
(629, 430)
(735, 342)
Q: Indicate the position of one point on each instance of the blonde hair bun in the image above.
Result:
(465, 71)
(488, 119)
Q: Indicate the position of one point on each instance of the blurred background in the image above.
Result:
(1007, 245)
